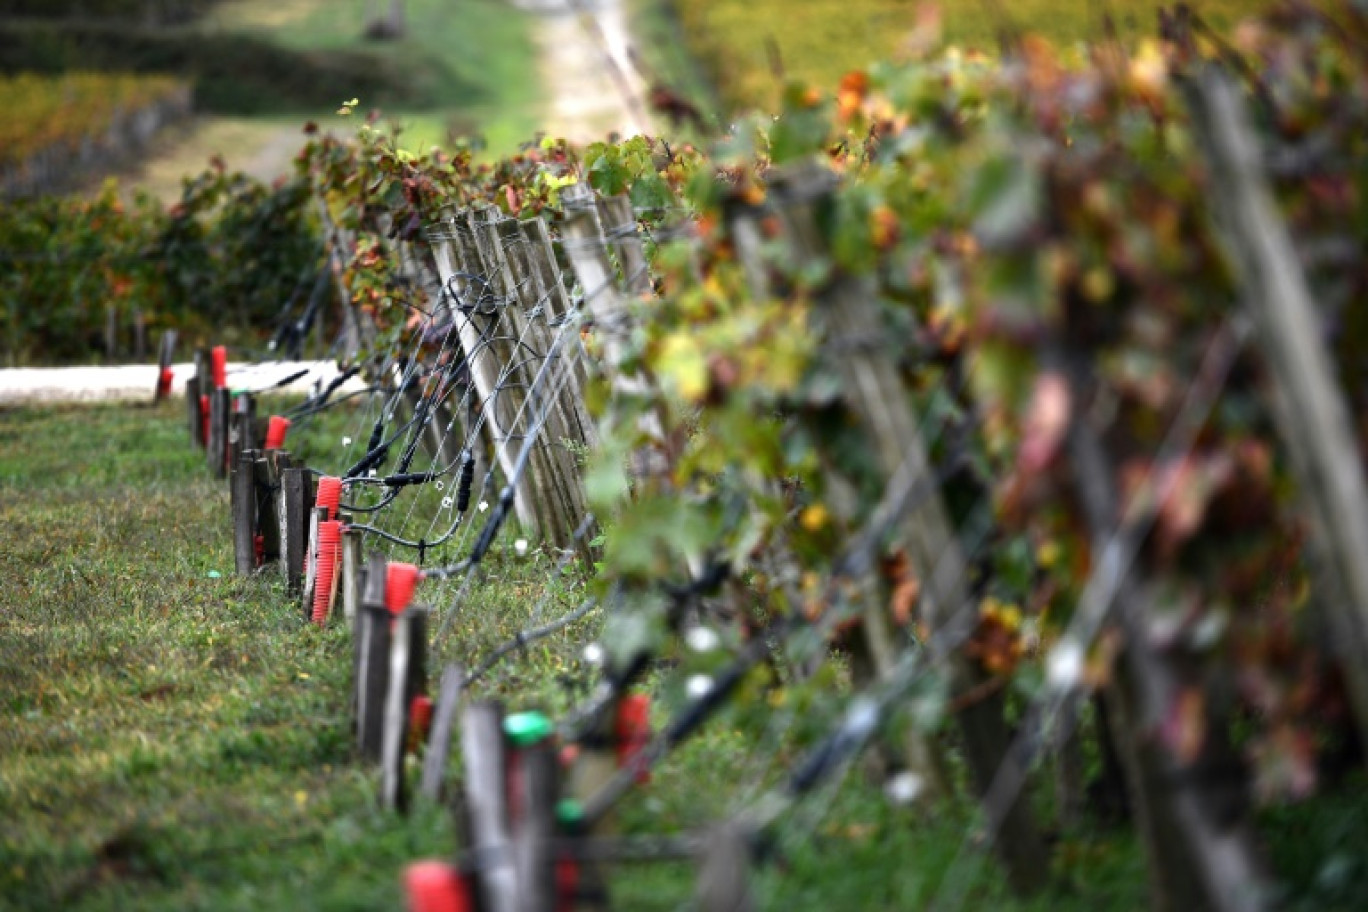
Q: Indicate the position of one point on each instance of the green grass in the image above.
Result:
(820, 40)
(172, 737)
(468, 67)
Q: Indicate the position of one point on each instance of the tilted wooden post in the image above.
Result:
(585, 246)
(439, 742)
(1312, 417)
(1200, 856)
(455, 252)
(556, 476)
(549, 284)
(874, 391)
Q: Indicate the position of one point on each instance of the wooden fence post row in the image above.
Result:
(504, 320)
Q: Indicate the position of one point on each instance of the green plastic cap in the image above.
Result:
(527, 728)
(569, 811)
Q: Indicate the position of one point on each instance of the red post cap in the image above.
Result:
(329, 494)
(399, 584)
(420, 720)
(435, 886)
(218, 361)
(275, 432)
(633, 730)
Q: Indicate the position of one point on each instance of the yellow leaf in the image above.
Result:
(681, 364)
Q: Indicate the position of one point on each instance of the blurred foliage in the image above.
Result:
(750, 47)
(226, 258)
(59, 112)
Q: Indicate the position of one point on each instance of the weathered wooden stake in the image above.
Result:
(216, 450)
(294, 485)
(192, 411)
(351, 575)
(874, 391)
(533, 853)
(482, 746)
(372, 661)
(165, 353)
(244, 505)
(1312, 416)
(267, 493)
(724, 874)
(439, 741)
(408, 643)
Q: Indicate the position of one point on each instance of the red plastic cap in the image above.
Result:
(567, 885)
(275, 432)
(435, 886)
(218, 361)
(329, 534)
(399, 584)
(420, 720)
(633, 730)
(164, 380)
(329, 494)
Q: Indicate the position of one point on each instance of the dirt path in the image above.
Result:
(591, 86)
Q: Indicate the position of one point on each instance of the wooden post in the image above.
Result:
(192, 410)
(244, 504)
(723, 876)
(373, 662)
(556, 477)
(267, 511)
(166, 351)
(455, 252)
(241, 426)
(439, 742)
(584, 245)
(620, 230)
(874, 392)
(533, 854)
(549, 284)
(482, 747)
(1200, 855)
(351, 574)
(407, 645)
(1312, 417)
(216, 450)
(293, 497)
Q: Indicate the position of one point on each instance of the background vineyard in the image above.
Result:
(990, 309)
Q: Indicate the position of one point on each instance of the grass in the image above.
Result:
(820, 40)
(467, 67)
(172, 737)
